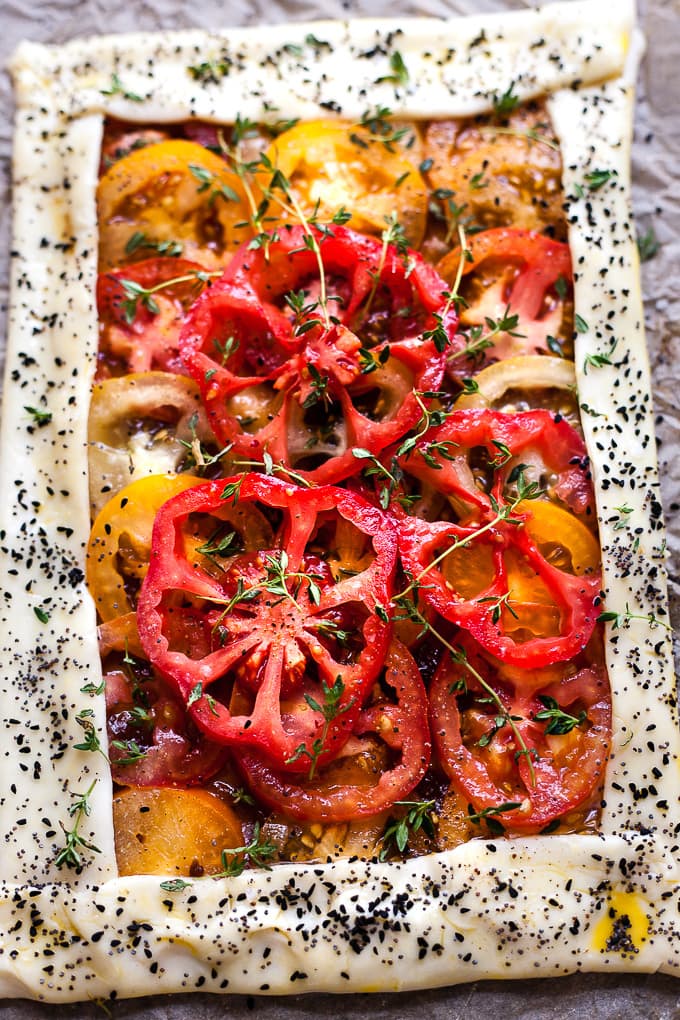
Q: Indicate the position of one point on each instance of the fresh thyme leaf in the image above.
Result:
(478, 181)
(258, 852)
(597, 178)
(42, 614)
(132, 752)
(174, 885)
(231, 490)
(139, 241)
(399, 75)
(647, 245)
(69, 854)
(558, 721)
(116, 88)
(209, 71)
(507, 102)
(39, 416)
(598, 360)
(420, 815)
(554, 346)
(329, 709)
(477, 816)
(195, 694)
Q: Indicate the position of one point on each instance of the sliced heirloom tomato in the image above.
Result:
(477, 454)
(334, 796)
(141, 424)
(119, 548)
(518, 572)
(163, 831)
(332, 165)
(175, 191)
(505, 748)
(526, 382)
(141, 309)
(497, 582)
(510, 272)
(344, 384)
(152, 742)
(498, 171)
(275, 628)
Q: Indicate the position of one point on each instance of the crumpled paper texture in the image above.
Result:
(656, 157)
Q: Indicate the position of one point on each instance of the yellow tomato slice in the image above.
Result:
(565, 541)
(163, 831)
(338, 165)
(120, 541)
(525, 382)
(139, 425)
(173, 191)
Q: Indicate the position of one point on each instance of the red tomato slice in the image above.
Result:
(476, 452)
(552, 624)
(513, 272)
(527, 599)
(344, 384)
(275, 622)
(152, 742)
(481, 753)
(138, 333)
(403, 727)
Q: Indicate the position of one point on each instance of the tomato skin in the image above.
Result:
(150, 340)
(567, 769)
(278, 630)
(404, 727)
(249, 299)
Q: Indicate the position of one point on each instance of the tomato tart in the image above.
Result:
(333, 522)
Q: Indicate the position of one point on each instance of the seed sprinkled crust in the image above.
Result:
(533, 906)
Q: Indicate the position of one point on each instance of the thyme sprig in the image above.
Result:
(79, 810)
(621, 619)
(459, 656)
(531, 134)
(558, 721)
(259, 852)
(438, 334)
(136, 293)
(503, 512)
(480, 341)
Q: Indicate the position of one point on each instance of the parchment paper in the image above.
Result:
(656, 157)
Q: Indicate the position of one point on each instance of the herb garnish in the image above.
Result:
(419, 816)
(80, 809)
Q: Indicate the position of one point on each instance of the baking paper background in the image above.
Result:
(656, 157)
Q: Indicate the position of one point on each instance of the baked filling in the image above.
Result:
(335, 379)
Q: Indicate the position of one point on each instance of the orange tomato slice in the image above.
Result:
(120, 541)
(341, 165)
(164, 831)
(173, 191)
